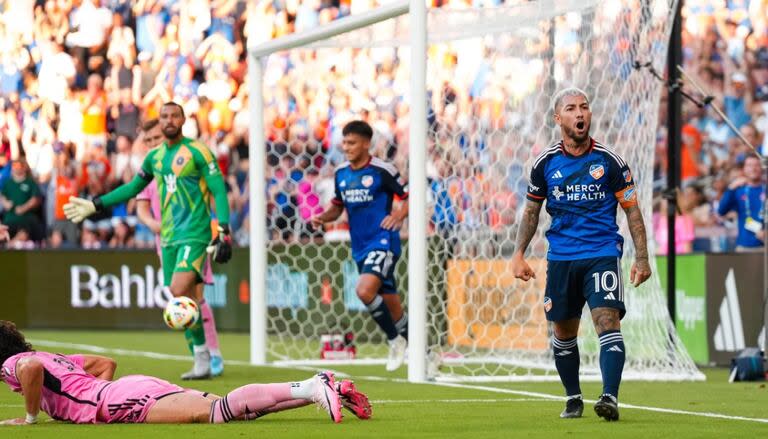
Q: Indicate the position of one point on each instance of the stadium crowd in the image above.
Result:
(80, 76)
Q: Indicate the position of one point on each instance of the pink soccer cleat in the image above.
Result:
(354, 400)
(326, 395)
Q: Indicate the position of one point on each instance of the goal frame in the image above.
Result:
(417, 200)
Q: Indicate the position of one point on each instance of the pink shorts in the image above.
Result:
(129, 399)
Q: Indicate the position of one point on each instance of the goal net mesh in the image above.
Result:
(491, 76)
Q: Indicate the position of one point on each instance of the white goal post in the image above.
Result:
(468, 320)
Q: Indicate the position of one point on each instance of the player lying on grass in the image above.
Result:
(79, 389)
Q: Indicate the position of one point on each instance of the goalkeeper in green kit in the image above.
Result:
(187, 174)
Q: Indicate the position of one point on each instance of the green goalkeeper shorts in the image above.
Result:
(183, 257)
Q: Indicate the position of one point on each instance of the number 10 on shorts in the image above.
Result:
(607, 282)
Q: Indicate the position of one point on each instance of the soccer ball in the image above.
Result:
(181, 313)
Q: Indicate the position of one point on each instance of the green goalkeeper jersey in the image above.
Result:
(187, 174)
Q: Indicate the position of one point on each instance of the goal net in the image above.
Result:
(491, 76)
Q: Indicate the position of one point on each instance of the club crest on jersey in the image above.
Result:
(596, 171)
(547, 304)
(367, 181)
(627, 176)
(343, 184)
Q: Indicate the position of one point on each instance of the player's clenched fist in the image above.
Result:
(521, 269)
(317, 222)
(79, 209)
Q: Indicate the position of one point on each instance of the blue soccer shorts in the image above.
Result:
(570, 284)
(382, 264)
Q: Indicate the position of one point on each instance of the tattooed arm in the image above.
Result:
(641, 269)
(525, 231)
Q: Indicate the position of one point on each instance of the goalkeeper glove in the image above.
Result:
(79, 209)
(220, 247)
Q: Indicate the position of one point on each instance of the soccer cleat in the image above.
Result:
(326, 395)
(574, 408)
(353, 400)
(202, 368)
(217, 366)
(607, 407)
(397, 348)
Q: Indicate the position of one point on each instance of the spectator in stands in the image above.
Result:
(21, 200)
(64, 185)
(746, 196)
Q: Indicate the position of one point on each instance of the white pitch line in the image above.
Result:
(454, 401)
(11, 406)
(591, 401)
(161, 356)
(147, 354)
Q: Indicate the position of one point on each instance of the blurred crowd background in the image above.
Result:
(79, 77)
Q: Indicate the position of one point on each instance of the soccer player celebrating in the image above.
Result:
(582, 182)
(79, 389)
(366, 187)
(186, 174)
(149, 212)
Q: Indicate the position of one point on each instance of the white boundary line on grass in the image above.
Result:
(546, 396)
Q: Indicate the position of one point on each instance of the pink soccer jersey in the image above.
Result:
(69, 392)
(150, 193)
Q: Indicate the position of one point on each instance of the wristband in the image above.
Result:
(31, 419)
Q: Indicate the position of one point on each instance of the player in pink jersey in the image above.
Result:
(148, 211)
(79, 388)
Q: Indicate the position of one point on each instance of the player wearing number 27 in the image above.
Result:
(366, 187)
(582, 182)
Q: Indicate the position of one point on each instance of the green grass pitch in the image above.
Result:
(401, 409)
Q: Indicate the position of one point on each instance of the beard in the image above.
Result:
(571, 132)
(171, 132)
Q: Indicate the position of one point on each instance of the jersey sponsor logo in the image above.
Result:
(367, 181)
(557, 174)
(579, 192)
(532, 188)
(170, 182)
(557, 193)
(357, 196)
(547, 304)
(596, 171)
(627, 176)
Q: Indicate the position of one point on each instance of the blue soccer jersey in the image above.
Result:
(367, 194)
(582, 194)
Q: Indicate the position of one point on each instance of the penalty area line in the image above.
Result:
(592, 401)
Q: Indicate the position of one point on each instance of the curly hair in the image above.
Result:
(12, 341)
